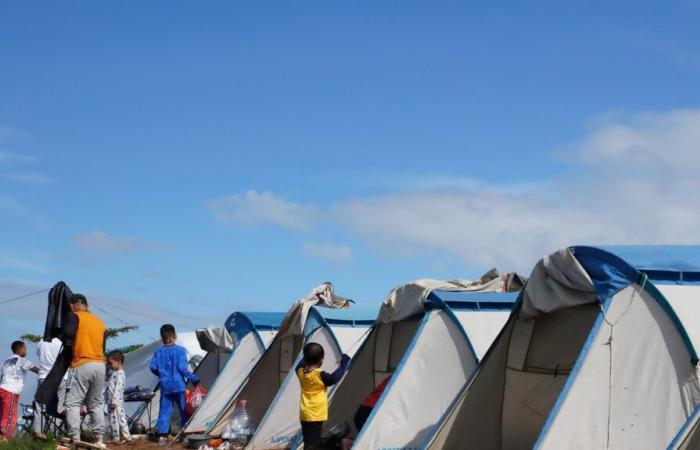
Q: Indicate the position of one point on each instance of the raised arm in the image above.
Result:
(329, 379)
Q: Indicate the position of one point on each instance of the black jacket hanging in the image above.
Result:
(57, 316)
(58, 310)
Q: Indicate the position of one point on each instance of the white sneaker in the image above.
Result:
(100, 444)
(163, 441)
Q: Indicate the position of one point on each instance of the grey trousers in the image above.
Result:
(85, 386)
(38, 422)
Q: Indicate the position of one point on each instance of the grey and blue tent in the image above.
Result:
(593, 356)
(428, 337)
(252, 332)
(279, 426)
(270, 387)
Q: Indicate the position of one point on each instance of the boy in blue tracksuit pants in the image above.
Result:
(170, 365)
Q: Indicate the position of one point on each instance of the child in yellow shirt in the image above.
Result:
(313, 407)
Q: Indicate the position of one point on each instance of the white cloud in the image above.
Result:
(651, 143)
(98, 243)
(21, 265)
(10, 157)
(633, 179)
(255, 208)
(328, 252)
(30, 177)
(153, 274)
(636, 182)
(11, 207)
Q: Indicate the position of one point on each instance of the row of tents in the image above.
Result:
(596, 349)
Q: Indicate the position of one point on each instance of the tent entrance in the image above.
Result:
(541, 355)
(509, 400)
(378, 358)
(267, 377)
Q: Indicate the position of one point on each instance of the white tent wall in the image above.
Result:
(136, 368)
(267, 336)
(247, 352)
(433, 369)
(482, 327)
(652, 385)
(685, 300)
(280, 425)
(350, 337)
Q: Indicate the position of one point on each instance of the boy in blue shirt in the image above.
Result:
(170, 365)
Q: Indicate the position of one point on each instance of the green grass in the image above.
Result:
(27, 443)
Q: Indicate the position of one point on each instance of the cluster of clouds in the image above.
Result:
(98, 243)
(633, 179)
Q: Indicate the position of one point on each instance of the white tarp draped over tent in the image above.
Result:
(420, 343)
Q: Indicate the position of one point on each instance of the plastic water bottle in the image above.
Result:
(241, 425)
(226, 432)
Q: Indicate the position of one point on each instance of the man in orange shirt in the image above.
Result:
(86, 376)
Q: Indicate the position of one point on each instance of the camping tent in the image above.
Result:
(428, 336)
(675, 271)
(280, 426)
(270, 387)
(593, 356)
(137, 363)
(252, 332)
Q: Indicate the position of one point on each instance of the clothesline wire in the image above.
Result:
(20, 297)
(104, 303)
(125, 323)
(136, 313)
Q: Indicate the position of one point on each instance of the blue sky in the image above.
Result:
(190, 160)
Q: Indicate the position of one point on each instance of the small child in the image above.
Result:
(313, 407)
(14, 369)
(115, 398)
(170, 365)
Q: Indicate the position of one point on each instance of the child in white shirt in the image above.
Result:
(12, 374)
(115, 398)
